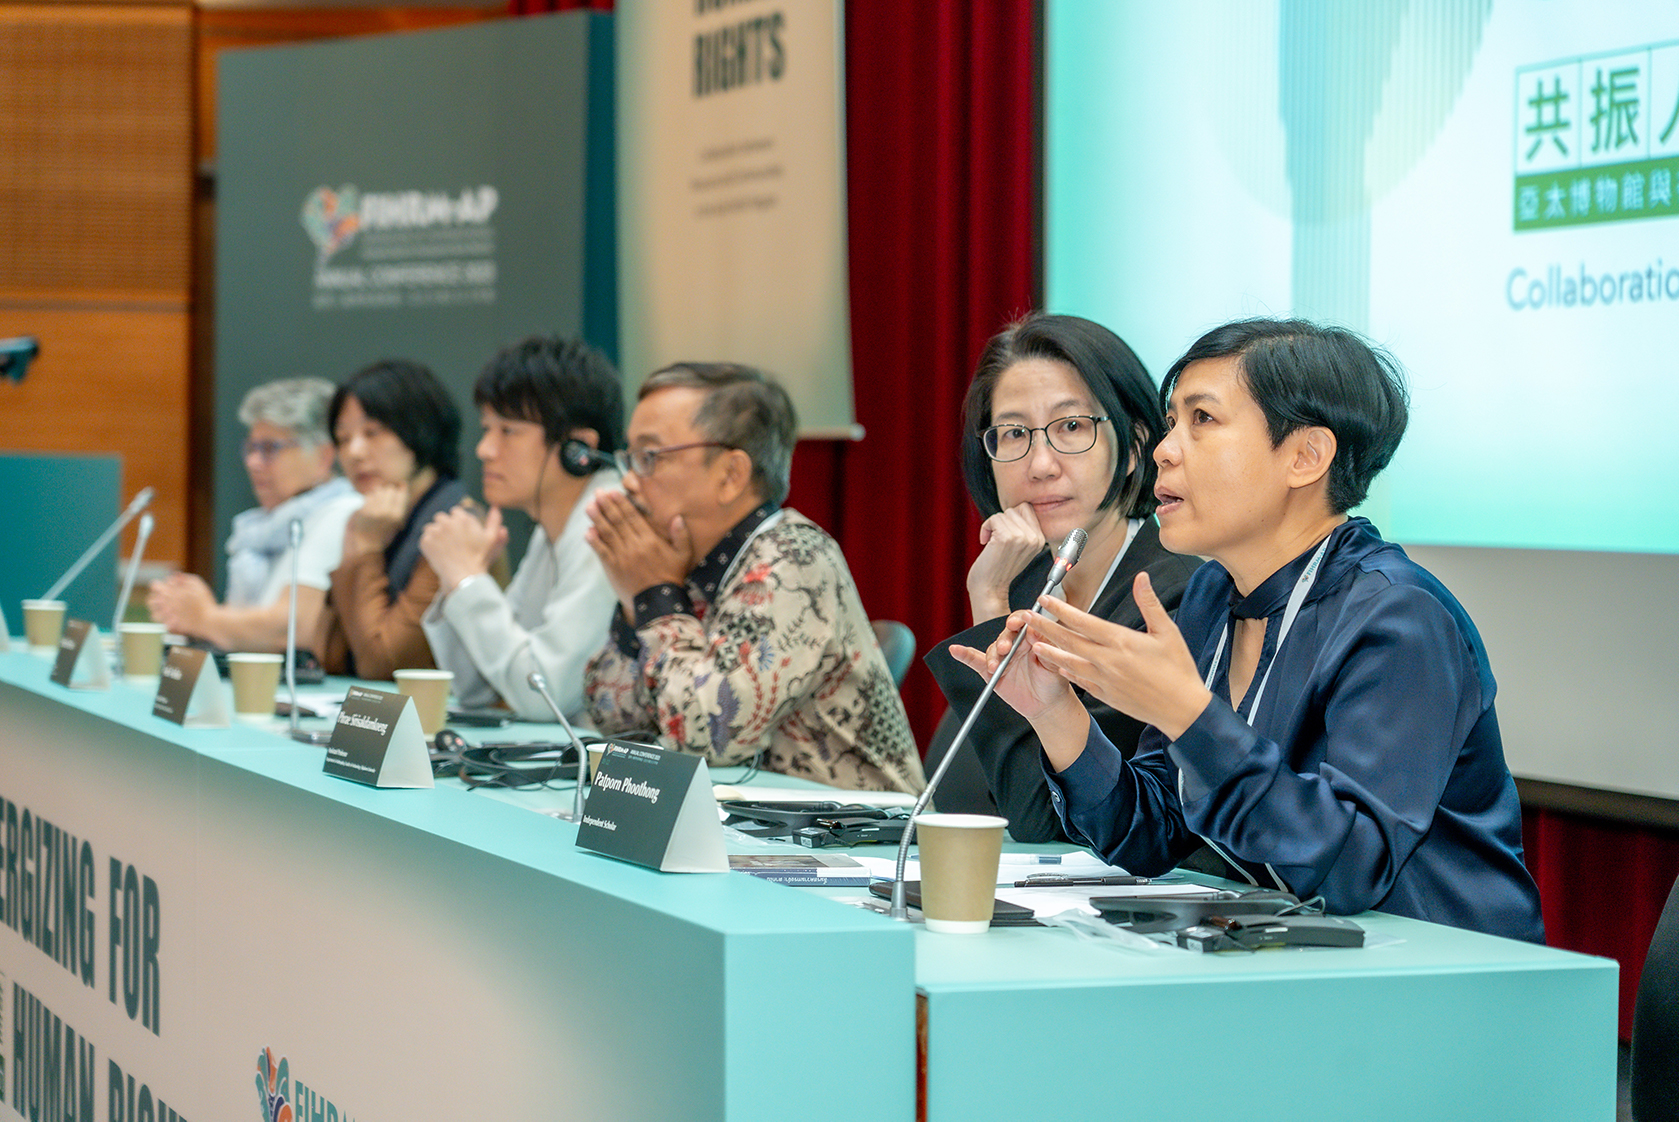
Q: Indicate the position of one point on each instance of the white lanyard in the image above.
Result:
(768, 522)
(1134, 525)
(1296, 599)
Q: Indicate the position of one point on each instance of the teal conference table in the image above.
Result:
(193, 919)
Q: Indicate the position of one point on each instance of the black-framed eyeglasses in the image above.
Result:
(1067, 435)
(642, 461)
(266, 449)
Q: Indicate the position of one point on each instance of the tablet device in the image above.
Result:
(1145, 914)
(1003, 913)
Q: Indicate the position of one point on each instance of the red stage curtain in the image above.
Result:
(941, 180)
(1602, 885)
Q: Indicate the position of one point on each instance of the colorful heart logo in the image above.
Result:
(331, 219)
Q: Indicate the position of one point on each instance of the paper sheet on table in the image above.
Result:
(323, 703)
(1076, 863)
(761, 794)
(1008, 872)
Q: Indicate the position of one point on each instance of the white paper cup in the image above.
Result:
(256, 678)
(43, 625)
(142, 649)
(959, 858)
(430, 691)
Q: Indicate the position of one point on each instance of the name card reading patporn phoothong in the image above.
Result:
(653, 807)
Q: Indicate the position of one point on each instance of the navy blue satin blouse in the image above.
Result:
(1372, 774)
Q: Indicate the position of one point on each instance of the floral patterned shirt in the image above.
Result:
(764, 648)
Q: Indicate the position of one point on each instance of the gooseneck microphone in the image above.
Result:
(294, 537)
(540, 684)
(144, 533)
(140, 502)
(580, 460)
(1065, 558)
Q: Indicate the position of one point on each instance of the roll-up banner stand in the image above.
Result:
(731, 159)
(425, 195)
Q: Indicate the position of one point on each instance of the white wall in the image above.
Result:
(1585, 648)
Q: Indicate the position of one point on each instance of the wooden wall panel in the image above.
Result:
(96, 132)
(95, 244)
(108, 380)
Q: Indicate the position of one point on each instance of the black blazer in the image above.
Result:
(1000, 770)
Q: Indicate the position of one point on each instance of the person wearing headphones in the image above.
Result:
(553, 413)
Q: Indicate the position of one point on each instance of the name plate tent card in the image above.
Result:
(653, 807)
(189, 690)
(377, 741)
(81, 662)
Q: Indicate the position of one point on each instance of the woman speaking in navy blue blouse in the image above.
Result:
(1321, 714)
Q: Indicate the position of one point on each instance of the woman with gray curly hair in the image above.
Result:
(289, 455)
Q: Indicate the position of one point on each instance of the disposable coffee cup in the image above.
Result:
(959, 858)
(142, 649)
(430, 691)
(256, 678)
(43, 625)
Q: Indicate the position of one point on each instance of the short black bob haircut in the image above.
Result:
(559, 383)
(744, 409)
(1303, 374)
(1109, 369)
(407, 398)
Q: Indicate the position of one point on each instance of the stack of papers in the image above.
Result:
(1049, 898)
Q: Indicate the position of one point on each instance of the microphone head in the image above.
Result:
(142, 500)
(536, 681)
(294, 532)
(146, 524)
(1072, 548)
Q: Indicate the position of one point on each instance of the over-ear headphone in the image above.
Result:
(580, 460)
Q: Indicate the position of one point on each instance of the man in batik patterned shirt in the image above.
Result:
(739, 630)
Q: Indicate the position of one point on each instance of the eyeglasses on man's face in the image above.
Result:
(642, 461)
(266, 450)
(1067, 435)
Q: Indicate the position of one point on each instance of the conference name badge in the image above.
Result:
(189, 690)
(377, 741)
(654, 808)
(81, 662)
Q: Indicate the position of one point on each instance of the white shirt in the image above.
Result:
(553, 617)
(318, 555)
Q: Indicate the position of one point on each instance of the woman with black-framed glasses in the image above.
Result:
(1058, 424)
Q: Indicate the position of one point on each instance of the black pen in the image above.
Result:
(1060, 880)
